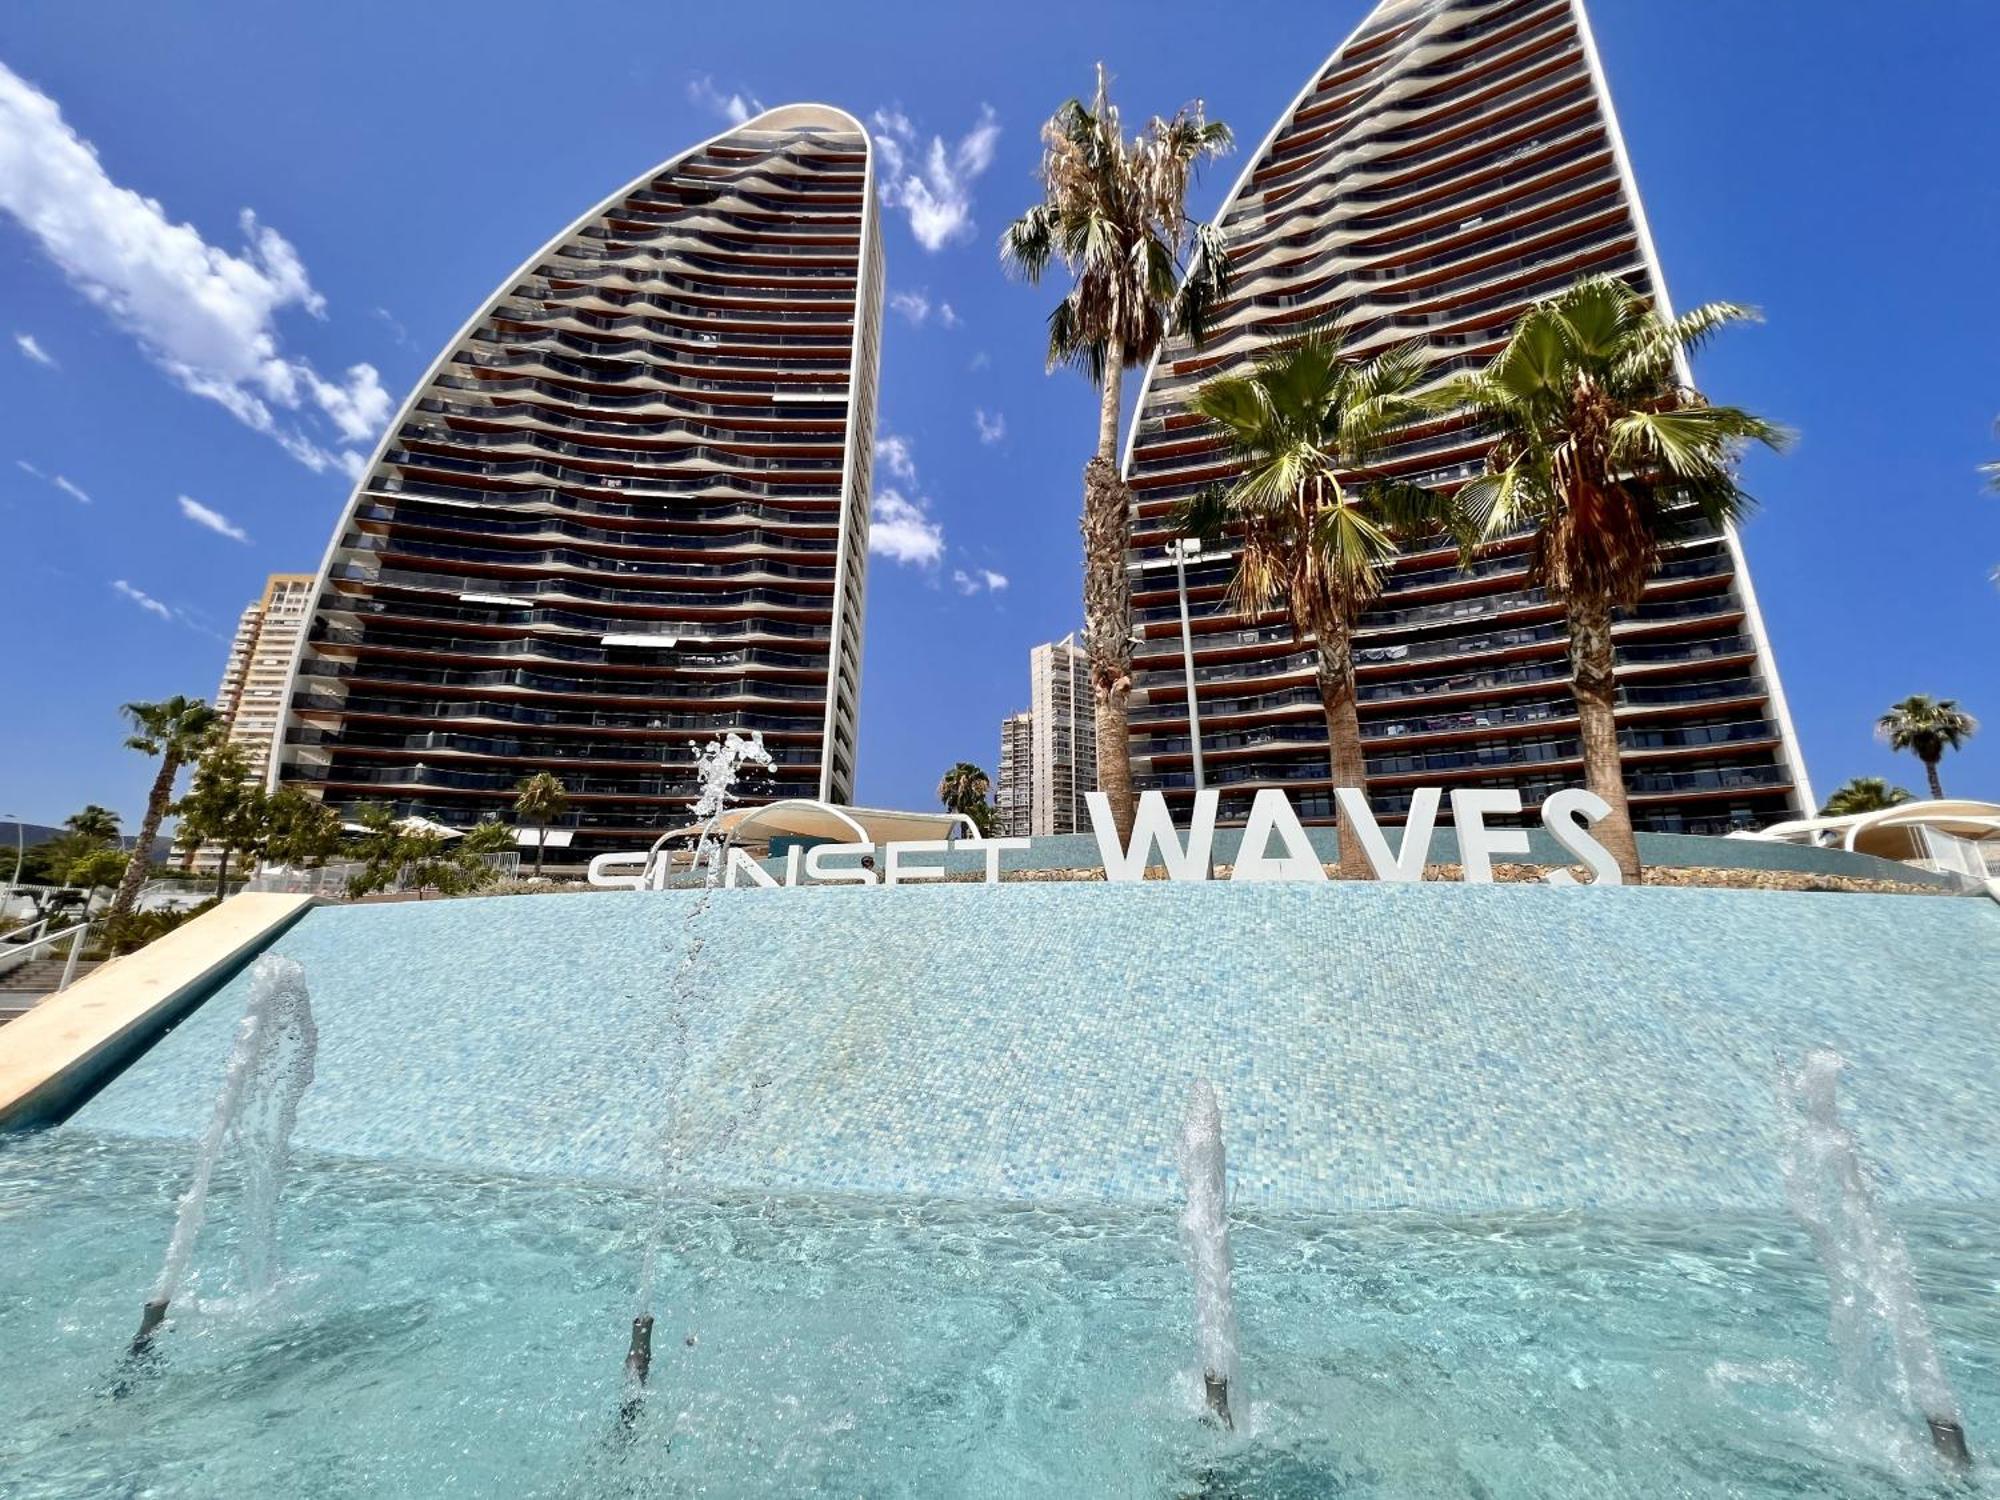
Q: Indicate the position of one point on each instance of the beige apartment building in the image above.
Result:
(251, 698)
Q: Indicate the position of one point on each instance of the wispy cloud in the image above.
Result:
(206, 316)
(932, 183)
(913, 305)
(991, 427)
(901, 529)
(31, 347)
(68, 487)
(895, 454)
(978, 581)
(735, 107)
(214, 520)
(143, 599)
(396, 328)
(900, 526)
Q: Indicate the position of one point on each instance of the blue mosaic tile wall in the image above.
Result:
(1441, 1047)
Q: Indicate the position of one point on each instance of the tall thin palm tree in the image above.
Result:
(540, 799)
(98, 824)
(964, 789)
(1114, 212)
(1927, 727)
(176, 730)
(1317, 525)
(1602, 453)
(1862, 794)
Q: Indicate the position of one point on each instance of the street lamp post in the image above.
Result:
(1183, 548)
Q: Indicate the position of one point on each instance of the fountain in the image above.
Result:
(1205, 1228)
(1874, 1293)
(270, 1065)
(717, 765)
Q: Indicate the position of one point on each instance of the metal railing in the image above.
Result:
(20, 955)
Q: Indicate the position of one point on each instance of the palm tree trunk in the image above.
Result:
(541, 848)
(1107, 597)
(1335, 663)
(222, 873)
(149, 829)
(1595, 686)
(1937, 787)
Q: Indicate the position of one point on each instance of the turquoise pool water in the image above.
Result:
(1506, 1207)
(1439, 1047)
(445, 1333)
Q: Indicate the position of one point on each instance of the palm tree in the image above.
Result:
(540, 799)
(97, 824)
(1602, 453)
(1114, 212)
(963, 790)
(175, 730)
(1317, 525)
(1863, 794)
(1927, 727)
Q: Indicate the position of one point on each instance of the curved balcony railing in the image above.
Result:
(577, 588)
(569, 557)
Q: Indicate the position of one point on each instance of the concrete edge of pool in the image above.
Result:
(60, 1053)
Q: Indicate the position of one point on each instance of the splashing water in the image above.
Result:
(270, 1066)
(717, 765)
(1878, 1328)
(1205, 1229)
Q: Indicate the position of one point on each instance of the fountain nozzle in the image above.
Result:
(155, 1314)
(1216, 1388)
(1949, 1437)
(639, 1358)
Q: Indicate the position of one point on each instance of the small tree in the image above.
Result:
(1863, 794)
(539, 800)
(299, 830)
(421, 859)
(177, 731)
(224, 807)
(963, 789)
(1927, 727)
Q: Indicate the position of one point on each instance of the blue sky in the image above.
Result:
(1831, 162)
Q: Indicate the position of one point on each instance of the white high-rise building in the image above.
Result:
(1013, 796)
(1065, 737)
(251, 697)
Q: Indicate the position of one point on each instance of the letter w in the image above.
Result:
(1153, 828)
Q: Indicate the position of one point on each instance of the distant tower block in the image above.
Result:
(1449, 166)
(251, 697)
(1013, 797)
(1064, 737)
(625, 510)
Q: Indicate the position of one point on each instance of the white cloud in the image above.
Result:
(733, 107)
(981, 361)
(901, 529)
(205, 316)
(932, 183)
(28, 345)
(979, 580)
(214, 520)
(915, 304)
(68, 487)
(144, 600)
(895, 454)
(991, 428)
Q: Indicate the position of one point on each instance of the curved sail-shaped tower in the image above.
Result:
(1453, 162)
(625, 509)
